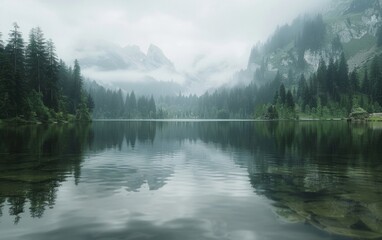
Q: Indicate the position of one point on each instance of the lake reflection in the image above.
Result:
(191, 180)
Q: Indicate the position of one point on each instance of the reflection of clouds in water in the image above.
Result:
(212, 227)
(206, 197)
(178, 229)
(188, 177)
(136, 228)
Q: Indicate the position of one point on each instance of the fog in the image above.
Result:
(207, 39)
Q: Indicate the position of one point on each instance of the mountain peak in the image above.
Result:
(154, 48)
(155, 58)
(107, 56)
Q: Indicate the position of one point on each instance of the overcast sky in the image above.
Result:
(224, 29)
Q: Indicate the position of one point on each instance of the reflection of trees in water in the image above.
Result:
(112, 134)
(325, 174)
(34, 161)
(136, 172)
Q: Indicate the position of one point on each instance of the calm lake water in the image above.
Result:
(191, 180)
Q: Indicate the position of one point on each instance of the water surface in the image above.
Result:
(191, 180)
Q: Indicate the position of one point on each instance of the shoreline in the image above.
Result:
(20, 121)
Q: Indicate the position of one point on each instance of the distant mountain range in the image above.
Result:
(151, 73)
(110, 57)
(131, 69)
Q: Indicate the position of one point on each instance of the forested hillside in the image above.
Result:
(35, 85)
(323, 65)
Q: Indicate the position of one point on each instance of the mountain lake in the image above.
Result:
(164, 180)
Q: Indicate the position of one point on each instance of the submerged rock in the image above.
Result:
(288, 215)
(373, 219)
(329, 207)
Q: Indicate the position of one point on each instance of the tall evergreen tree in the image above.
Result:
(51, 97)
(282, 93)
(289, 100)
(64, 86)
(312, 91)
(354, 84)
(152, 108)
(321, 84)
(36, 60)
(376, 80)
(119, 105)
(276, 97)
(76, 85)
(303, 93)
(3, 92)
(142, 107)
(366, 84)
(343, 74)
(127, 113)
(133, 103)
(301, 86)
(16, 83)
(331, 80)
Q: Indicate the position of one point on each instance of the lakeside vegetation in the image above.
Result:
(332, 92)
(35, 86)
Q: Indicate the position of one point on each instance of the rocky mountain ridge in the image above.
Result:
(110, 57)
(349, 26)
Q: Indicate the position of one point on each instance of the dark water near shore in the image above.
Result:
(191, 180)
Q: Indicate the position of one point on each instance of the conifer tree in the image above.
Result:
(366, 84)
(152, 108)
(133, 103)
(282, 93)
(303, 92)
(321, 77)
(76, 85)
(51, 97)
(36, 61)
(3, 93)
(375, 77)
(127, 106)
(15, 82)
(289, 100)
(331, 80)
(343, 74)
(354, 85)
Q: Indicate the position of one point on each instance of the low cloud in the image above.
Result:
(222, 31)
(133, 76)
